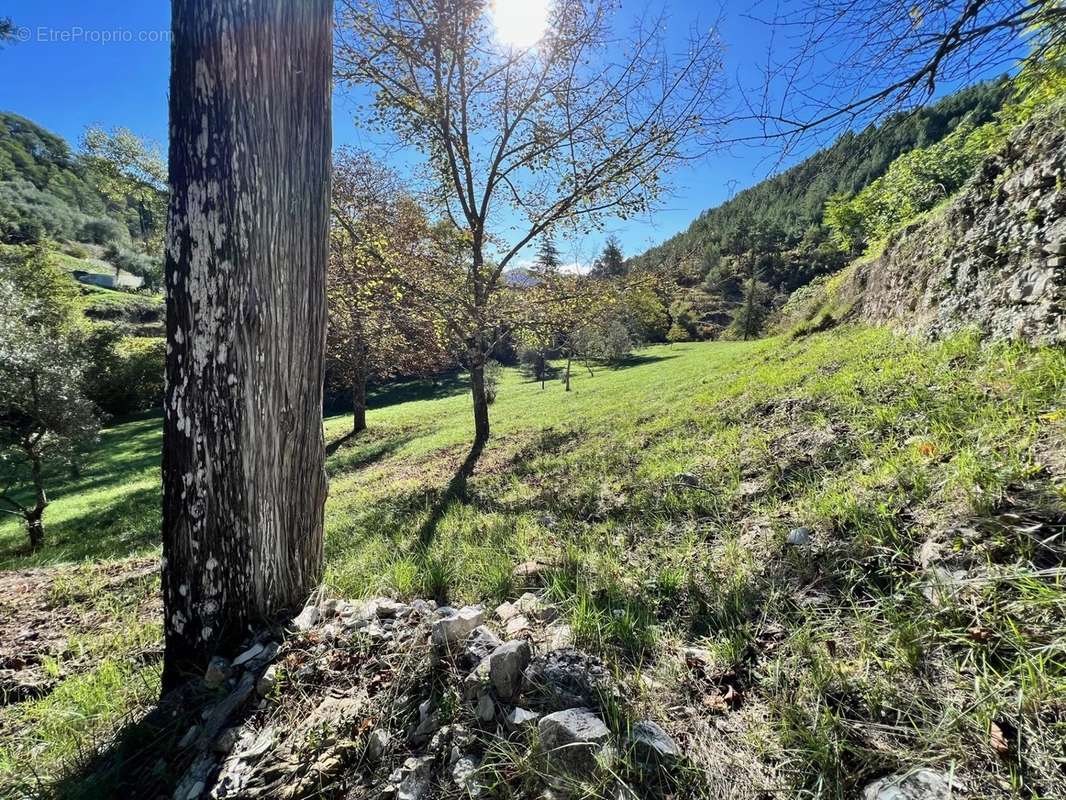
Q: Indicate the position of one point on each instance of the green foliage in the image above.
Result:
(46, 191)
(920, 179)
(44, 412)
(493, 370)
(647, 313)
(131, 174)
(611, 263)
(683, 328)
(793, 202)
(914, 182)
(548, 258)
(125, 373)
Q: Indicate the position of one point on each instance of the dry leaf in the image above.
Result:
(998, 740)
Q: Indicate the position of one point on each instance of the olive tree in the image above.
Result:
(44, 412)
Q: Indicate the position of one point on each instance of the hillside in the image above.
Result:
(776, 230)
(858, 538)
(792, 203)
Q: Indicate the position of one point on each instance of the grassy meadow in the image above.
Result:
(922, 623)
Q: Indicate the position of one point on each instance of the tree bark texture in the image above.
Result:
(359, 403)
(243, 477)
(35, 515)
(481, 403)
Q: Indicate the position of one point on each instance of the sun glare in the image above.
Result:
(520, 23)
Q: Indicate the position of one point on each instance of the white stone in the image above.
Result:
(454, 628)
(534, 608)
(486, 709)
(797, 537)
(307, 618)
(464, 773)
(652, 745)
(267, 681)
(505, 667)
(517, 625)
(520, 718)
(505, 610)
(377, 744)
(572, 740)
(412, 779)
(920, 784)
(248, 655)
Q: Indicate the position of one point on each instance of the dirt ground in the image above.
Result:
(42, 609)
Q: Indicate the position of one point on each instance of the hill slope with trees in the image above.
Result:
(738, 262)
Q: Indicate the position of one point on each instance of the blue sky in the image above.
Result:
(107, 63)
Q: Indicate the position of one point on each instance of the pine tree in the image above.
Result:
(611, 263)
(548, 255)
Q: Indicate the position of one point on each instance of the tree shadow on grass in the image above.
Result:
(455, 491)
(437, 388)
(124, 525)
(395, 392)
(354, 451)
(641, 359)
(142, 757)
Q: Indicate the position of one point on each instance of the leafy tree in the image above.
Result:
(561, 312)
(568, 132)
(129, 172)
(380, 325)
(611, 263)
(124, 373)
(44, 412)
(646, 310)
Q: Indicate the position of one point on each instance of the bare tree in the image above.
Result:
(576, 128)
(832, 64)
(243, 478)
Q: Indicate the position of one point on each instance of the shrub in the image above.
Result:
(28, 215)
(127, 372)
(102, 230)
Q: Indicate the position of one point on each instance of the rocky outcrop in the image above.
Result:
(995, 259)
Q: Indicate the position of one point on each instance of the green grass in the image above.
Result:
(846, 659)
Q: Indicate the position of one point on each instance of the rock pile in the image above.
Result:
(407, 701)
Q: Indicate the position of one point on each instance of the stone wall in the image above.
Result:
(995, 258)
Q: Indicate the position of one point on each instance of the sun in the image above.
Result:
(520, 23)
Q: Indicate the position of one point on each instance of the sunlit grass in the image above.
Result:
(662, 492)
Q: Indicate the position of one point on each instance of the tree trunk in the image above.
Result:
(35, 515)
(569, 358)
(243, 478)
(359, 403)
(481, 403)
